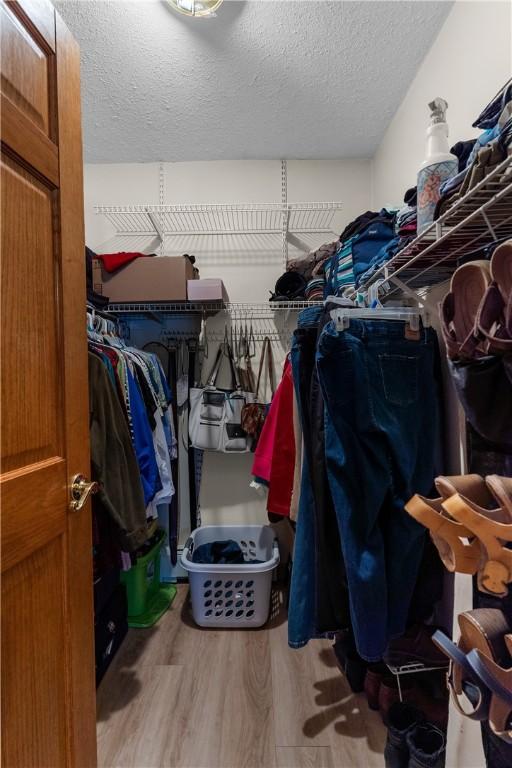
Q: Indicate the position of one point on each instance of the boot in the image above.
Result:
(372, 682)
(389, 693)
(352, 666)
(401, 719)
(427, 746)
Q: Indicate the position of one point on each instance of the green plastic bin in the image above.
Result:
(148, 599)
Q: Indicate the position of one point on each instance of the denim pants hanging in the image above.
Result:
(302, 607)
(317, 526)
(381, 424)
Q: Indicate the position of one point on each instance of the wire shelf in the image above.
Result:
(411, 668)
(242, 309)
(215, 219)
(482, 215)
(415, 667)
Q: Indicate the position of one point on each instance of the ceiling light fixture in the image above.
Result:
(197, 8)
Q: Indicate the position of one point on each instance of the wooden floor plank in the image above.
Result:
(134, 715)
(177, 696)
(314, 705)
(304, 757)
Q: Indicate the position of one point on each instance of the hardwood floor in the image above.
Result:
(177, 696)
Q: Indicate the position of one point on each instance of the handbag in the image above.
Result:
(254, 414)
(215, 414)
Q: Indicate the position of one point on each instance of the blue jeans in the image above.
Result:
(319, 595)
(381, 424)
(302, 609)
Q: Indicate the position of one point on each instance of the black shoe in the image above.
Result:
(427, 747)
(401, 719)
(352, 666)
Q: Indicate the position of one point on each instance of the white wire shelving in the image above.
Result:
(169, 227)
(483, 214)
(236, 310)
(411, 668)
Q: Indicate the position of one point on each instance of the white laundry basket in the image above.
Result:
(232, 596)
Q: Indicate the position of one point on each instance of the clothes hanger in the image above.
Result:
(411, 315)
(203, 335)
(251, 342)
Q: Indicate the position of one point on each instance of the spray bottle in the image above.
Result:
(438, 166)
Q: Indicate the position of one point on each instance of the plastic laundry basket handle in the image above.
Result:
(189, 545)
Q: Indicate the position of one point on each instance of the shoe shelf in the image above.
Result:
(483, 214)
(414, 667)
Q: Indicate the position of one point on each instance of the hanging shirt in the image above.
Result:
(283, 456)
(113, 461)
(143, 442)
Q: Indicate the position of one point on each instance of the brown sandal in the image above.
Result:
(484, 629)
(458, 548)
(494, 317)
(492, 527)
(499, 682)
(459, 310)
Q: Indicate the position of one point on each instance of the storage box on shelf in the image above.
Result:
(145, 279)
(207, 289)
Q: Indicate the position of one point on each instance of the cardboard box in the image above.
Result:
(151, 278)
(207, 289)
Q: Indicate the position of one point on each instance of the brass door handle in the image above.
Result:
(81, 489)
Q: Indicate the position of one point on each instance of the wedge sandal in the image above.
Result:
(492, 528)
(458, 548)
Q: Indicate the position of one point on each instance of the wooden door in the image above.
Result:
(48, 690)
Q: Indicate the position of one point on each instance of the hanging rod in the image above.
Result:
(272, 335)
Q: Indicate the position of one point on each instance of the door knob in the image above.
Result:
(81, 489)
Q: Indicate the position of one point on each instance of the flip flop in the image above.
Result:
(499, 682)
(459, 309)
(492, 527)
(458, 547)
(494, 317)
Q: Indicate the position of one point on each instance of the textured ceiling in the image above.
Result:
(264, 79)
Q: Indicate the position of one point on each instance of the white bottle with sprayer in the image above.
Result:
(438, 166)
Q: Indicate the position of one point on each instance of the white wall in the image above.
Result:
(249, 266)
(468, 62)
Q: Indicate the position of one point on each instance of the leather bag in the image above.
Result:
(254, 414)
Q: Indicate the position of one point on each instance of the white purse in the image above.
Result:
(215, 414)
